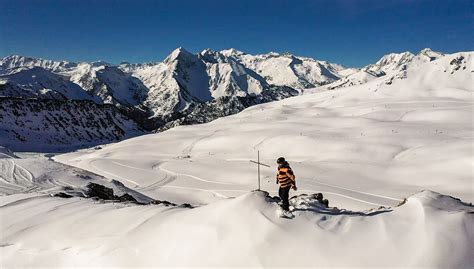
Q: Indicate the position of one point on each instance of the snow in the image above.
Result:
(390, 155)
(245, 231)
(34, 173)
(362, 145)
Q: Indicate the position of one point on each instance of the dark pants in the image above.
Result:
(284, 194)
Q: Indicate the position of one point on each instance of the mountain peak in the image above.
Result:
(430, 53)
(231, 52)
(13, 56)
(14, 61)
(273, 53)
(208, 51)
(100, 63)
(426, 50)
(180, 52)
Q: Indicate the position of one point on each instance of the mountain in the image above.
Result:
(184, 80)
(9, 63)
(287, 69)
(189, 88)
(47, 125)
(390, 65)
(108, 84)
(37, 82)
(394, 62)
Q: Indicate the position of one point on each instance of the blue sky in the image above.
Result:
(353, 33)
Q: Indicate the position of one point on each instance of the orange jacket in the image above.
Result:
(286, 177)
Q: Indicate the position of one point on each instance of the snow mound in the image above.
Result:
(242, 231)
(437, 201)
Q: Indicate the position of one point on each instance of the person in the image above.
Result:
(286, 179)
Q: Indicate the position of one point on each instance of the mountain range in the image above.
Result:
(185, 88)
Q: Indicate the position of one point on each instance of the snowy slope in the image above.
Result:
(245, 231)
(37, 174)
(365, 146)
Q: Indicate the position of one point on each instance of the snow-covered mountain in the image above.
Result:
(390, 65)
(52, 125)
(37, 82)
(185, 80)
(10, 63)
(189, 88)
(289, 70)
(108, 84)
(185, 88)
(395, 62)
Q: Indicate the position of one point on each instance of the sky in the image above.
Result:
(349, 32)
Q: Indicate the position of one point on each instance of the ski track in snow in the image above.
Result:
(216, 192)
(349, 197)
(190, 147)
(5, 155)
(352, 190)
(171, 176)
(15, 177)
(91, 163)
(195, 177)
(168, 173)
(162, 183)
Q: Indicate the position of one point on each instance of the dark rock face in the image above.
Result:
(127, 198)
(457, 63)
(101, 192)
(198, 113)
(62, 195)
(98, 191)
